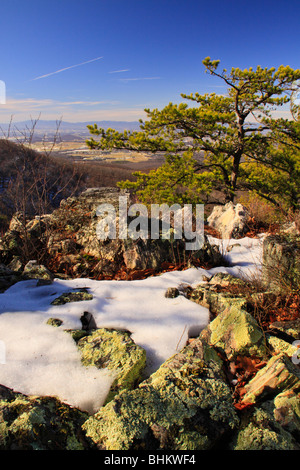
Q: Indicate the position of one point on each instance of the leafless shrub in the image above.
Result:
(33, 184)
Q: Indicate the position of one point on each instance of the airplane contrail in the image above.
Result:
(66, 68)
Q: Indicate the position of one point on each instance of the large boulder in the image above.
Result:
(229, 220)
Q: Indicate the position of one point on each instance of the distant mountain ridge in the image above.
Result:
(67, 130)
(65, 125)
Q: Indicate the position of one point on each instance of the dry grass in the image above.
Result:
(261, 211)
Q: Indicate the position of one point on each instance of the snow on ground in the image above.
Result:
(39, 359)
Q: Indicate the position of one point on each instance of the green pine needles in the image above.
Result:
(225, 143)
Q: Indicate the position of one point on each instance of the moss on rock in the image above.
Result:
(221, 291)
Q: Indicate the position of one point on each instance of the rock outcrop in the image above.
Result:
(186, 404)
(229, 220)
(233, 387)
(227, 389)
(68, 242)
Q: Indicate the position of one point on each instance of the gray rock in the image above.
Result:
(33, 270)
(172, 292)
(281, 263)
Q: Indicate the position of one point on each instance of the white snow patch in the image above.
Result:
(43, 360)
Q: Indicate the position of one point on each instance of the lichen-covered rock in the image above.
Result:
(287, 411)
(172, 292)
(226, 280)
(237, 333)
(143, 254)
(281, 262)
(54, 322)
(278, 346)
(185, 404)
(39, 423)
(290, 328)
(278, 375)
(116, 351)
(219, 292)
(75, 249)
(72, 297)
(33, 270)
(260, 431)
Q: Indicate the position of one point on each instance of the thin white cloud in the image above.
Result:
(66, 68)
(119, 71)
(138, 78)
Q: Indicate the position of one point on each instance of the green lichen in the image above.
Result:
(77, 334)
(287, 410)
(262, 432)
(209, 296)
(39, 423)
(116, 351)
(280, 346)
(236, 332)
(54, 322)
(278, 375)
(184, 404)
(72, 297)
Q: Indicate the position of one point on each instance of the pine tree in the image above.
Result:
(213, 145)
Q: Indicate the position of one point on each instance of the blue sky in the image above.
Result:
(133, 54)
